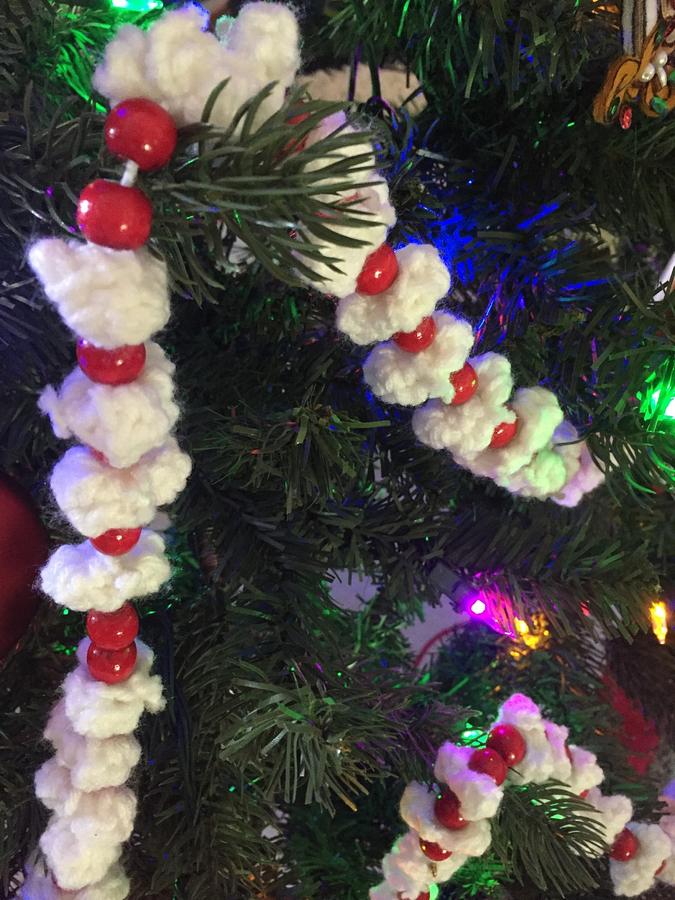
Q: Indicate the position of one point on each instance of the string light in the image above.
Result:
(137, 5)
(527, 638)
(658, 616)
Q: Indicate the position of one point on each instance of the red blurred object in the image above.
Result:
(115, 630)
(447, 810)
(508, 742)
(142, 131)
(503, 434)
(638, 734)
(465, 383)
(379, 271)
(23, 550)
(625, 846)
(111, 666)
(122, 365)
(419, 339)
(434, 852)
(113, 215)
(489, 762)
(117, 541)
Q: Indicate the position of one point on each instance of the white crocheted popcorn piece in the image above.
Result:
(636, 875)
(115, 806)
(538, 414)
(557, 735)
(383, 891)
(339, 274)
(582, 474)
(586, 773)
(405, 867)
(95, 497)
(542, 478)
(40, 885)
(80, 846)
(612, 813)
(468, 429)
(177, 62)
(396, 376)
(121, 421)
(108, 297)
(417, 811)
(478, 794)
(667, 826)
(101, 710)
(421, 281)
(93, 763)
(537, 764)
(79, 577)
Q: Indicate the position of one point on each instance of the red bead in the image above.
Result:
(379, 271)
(119, 366)
(419, 339)
(625, 846)
(465, 383)
(503, 434)
(425, 895)
(489, 762)
(626, 116)
(114, 216)
(447, 810)
(116, 541)
(508, 742)
(142, 131)
(115, 630)
(584, 794)
(101, 457)
(434, 852)
(111, 666)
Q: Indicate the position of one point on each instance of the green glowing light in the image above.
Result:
(137, 5)
(473, 736)
(434, 892)
(669, 412)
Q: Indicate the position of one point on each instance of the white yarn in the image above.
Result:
(95, 497)
(667, 825)
(636, 875)
(177, 63)
(339, 273)
(561, 766)
(76, 861)
(39, 885)
(93, 763)
(477, 793)
(409, 379)
(101, 710)
(537, 764)
(586, 773)
(417, 811)
(121, 421)
(582, 474)
(108, 297)
(611, 813)
(422, 280)
(468, 429)
(81, 578)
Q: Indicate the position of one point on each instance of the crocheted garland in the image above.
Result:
(450, 821)
(118, 403)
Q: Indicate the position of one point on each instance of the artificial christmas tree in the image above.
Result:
(481, 243)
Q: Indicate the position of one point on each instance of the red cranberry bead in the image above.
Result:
(142, 131)
(379, 271)
(101, 457)
(434, 852)
(121, 365)
(114, 216)
(625, 846)
(425, 895)
(116, 541)
(584, 794)
(489, 762)
(419, 339)
(447, 810)
(111, 666)
(503, 434)
(508, 742)
(465, 383)
(115, 630)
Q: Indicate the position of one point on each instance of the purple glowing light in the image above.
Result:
(478, 607)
